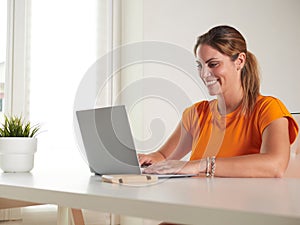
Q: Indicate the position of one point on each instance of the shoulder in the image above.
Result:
(196, 113)
(267, 104)
(261, 99)
(201, 106)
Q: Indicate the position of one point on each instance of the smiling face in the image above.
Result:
(228, 69)
(219, 73)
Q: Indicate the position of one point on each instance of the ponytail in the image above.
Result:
(250, 78)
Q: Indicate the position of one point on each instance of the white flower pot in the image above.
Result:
(17, 153)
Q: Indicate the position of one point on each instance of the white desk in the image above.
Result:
(185, 200)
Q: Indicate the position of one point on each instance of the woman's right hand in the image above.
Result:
(151, 158)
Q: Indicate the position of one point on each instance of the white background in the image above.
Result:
(271, 29)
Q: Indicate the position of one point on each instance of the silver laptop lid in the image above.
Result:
(108, 140)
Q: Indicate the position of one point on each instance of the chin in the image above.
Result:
(213, 93)
(214, 90)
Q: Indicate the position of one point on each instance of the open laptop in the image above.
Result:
(108, 141)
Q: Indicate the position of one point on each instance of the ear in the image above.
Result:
(240, 61)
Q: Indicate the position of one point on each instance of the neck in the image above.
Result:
(228, 104)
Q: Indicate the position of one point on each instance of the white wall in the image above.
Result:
(272, 31)
(271, 28)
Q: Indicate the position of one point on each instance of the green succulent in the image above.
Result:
(16, 127)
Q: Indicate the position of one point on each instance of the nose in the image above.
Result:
(205, 72)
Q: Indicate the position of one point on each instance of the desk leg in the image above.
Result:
(63, 216)
(114, 219)
(67, 216)
(77, 217)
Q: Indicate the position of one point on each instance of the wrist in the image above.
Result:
(210, 166)
(162, 155)
(202, 166)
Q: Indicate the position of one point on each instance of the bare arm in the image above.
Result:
(177, 146)
(272, 160)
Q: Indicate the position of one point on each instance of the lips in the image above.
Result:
(210, 82)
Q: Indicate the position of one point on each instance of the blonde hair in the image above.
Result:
(228, 41)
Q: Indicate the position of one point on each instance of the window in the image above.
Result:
(54, 44)
(3, 28)
(64, 43)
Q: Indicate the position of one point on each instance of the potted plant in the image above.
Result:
(17, 144)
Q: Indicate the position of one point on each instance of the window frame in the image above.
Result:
(16, 74)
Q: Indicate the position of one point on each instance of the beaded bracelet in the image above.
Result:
(213, 166)
(210, 166)
(207, 172)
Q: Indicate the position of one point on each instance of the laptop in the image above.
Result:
(108, 141)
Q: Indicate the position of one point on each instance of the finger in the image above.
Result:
(150, 169)
(141, 160)
(156, 168)
(141, 155)
(144, 160)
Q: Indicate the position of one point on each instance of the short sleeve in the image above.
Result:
(193, 117)
(272, 109)
(187, 118)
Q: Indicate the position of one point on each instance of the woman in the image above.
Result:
(239, 134)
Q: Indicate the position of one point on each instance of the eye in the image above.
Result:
(213, 64)
(199, 65)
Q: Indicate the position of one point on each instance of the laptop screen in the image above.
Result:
(108, 141)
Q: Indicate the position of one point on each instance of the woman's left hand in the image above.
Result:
(174, 167)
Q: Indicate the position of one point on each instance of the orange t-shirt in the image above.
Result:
(233, 134)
